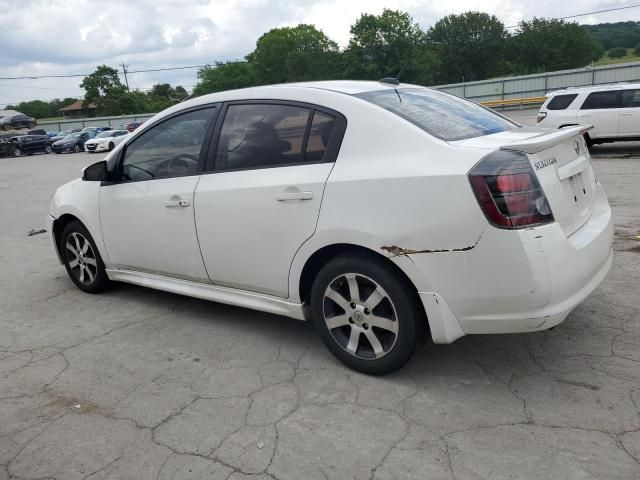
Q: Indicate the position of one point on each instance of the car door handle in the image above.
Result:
(296, 195)
(177, 203)
(626, 114)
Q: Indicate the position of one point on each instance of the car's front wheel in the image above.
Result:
(48, 149)
(76, 148)
(111, 146)
(366, 313)
(17, 152)
(82, 259)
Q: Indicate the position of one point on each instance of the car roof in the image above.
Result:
(595, 88)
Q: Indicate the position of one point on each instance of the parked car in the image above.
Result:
(74, 142)
(30, 144)
(8, 146)
(37, 131)
(53, 134)
(378, 210)
(95, 130)
(132, 126)
(613, 110)
(10, 119)
(64, 133)
(105, 141)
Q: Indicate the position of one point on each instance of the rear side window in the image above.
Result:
(631, 98)
(561, 102)
(444, 116)
(319, 135)
(263, 135)
(595, 100)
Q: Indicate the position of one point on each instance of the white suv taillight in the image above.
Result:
(509, 192)
(541, 116)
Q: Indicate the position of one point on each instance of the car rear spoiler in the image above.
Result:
(546, 139)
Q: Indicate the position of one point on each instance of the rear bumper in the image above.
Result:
(519, 281)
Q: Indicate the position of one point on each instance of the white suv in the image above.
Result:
(613, 110)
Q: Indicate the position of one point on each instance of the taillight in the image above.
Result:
(508, 191)
(541, 116)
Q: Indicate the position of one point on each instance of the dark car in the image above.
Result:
(30, 144)
(74, 142)
(10, 119)
(130, 127)
(37, 131)
(7, 146)
(64, 133)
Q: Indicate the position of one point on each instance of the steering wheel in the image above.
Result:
(181, 164)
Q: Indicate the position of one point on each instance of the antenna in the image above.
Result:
(397, 77)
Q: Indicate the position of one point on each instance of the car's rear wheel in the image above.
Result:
(366, 313)
(111, 146)
(82, 259)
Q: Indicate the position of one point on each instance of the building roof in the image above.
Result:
(77, 105)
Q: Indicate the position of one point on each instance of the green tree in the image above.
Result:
(104, 88)
(617, 52)
(636, 51)
(471, 46)
(224, 76)
(381, 45)
(546, 45)
(291, 54)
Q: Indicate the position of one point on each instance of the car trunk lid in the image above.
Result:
(562, 164)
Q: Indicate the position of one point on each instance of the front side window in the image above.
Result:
(169, 149)
(442, 115)
(631, 98)
(262, 135)
(561, 102)
(598, 100)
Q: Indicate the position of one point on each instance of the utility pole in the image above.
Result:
(124, 70)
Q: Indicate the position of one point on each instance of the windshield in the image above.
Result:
(104, 134)
(442, 115)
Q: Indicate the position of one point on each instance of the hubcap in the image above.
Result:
(360, 316)
(81, 258)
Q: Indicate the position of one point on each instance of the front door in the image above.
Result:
(147, 216)
(263, 199)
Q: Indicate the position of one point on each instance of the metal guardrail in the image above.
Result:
(515, 102)
(59, 125)
(539, 84)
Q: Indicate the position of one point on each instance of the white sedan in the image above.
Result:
(105, 141)
(379, 211)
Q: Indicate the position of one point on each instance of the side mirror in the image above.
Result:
(96, 172)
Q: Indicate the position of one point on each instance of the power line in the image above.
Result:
(164, 69)
(588, 13)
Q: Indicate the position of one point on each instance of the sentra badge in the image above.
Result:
(545, 163)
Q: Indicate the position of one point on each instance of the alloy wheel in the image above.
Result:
(360, 316)
(81, 258)
(17, 152)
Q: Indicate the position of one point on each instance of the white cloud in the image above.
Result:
(54, 37)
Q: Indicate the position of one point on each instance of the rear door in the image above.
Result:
(630, 113)
(602, 110)
(262, 199)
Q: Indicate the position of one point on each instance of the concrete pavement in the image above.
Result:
(139, 384)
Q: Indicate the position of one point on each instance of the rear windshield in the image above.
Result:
(442, 115)
(561, 102)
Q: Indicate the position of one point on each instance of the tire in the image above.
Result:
(87, 269)
(17, 152)
(48, 149)
(76, 148)
(111, 146)
(384, 297)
